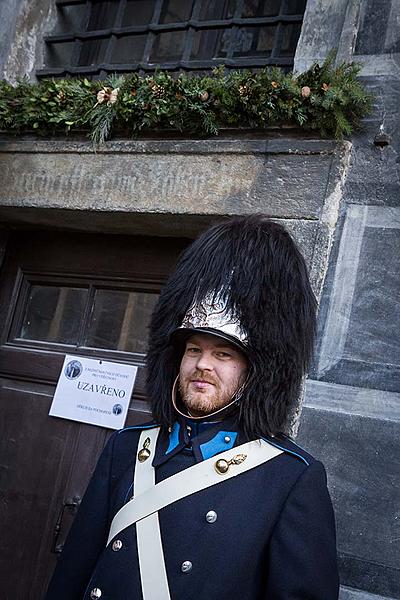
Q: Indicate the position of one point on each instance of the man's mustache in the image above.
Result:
(199, 375)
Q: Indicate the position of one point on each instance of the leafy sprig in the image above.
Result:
(327, 99)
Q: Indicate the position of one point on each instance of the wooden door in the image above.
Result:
(76, 294)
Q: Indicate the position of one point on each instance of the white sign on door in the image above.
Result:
(93, 391)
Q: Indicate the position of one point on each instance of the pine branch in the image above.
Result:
(325, 98)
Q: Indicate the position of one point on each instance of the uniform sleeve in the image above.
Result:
(302, 560)
(87, 536)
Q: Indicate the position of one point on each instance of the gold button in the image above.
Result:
(144, 453)
(95, 593)
(221, 466)
(117, 545)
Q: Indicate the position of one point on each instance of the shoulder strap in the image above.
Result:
(189, 481)
(153, 574)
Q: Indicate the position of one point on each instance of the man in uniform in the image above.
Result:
(213, 500)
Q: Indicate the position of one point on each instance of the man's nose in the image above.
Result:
(204, 362)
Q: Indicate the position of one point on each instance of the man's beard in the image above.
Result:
(208, 401)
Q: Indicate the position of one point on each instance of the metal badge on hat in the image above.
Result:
(212, 312)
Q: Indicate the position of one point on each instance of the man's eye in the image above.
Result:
(192, 350)
(224, 354)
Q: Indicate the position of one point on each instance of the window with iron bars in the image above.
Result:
(96, 37)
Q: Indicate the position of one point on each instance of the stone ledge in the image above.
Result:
(285, 145)
(362, 402)
(347, 593)
(285, 178)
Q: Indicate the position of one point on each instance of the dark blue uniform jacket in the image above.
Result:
(274, 536)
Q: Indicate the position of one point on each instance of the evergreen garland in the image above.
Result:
(325, 98)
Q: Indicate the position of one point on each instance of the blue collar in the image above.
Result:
(205, 439)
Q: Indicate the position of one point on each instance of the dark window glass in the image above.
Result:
(60, 54)
(172, 34)
(71, 18)
(176, 11)
(207, 44)
(53, 314)
(128, 49)
(117, 319)
(168, 46)
(120, 319)
(290, 33)
(295, 7)
(251, 41)
(264, 40)
(210, 10)
(138, 12)
(261, 8)
(102, 15)
(92, 52)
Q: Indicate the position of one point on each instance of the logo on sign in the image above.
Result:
(73, 369)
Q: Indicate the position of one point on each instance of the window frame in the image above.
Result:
(144, 262)
(92, 284)
(154, 27)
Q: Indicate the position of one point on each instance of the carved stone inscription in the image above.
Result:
(288, 185)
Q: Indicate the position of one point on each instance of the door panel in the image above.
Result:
(38, 456)
(46, 462)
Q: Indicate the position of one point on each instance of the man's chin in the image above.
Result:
(200, 406)
(194, 412)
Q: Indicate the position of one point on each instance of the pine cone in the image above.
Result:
(158, 90)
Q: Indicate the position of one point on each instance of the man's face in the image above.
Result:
(211, 371)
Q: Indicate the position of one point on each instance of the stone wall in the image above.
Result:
(351, 413)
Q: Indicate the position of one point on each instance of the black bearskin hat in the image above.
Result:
(256, 266)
